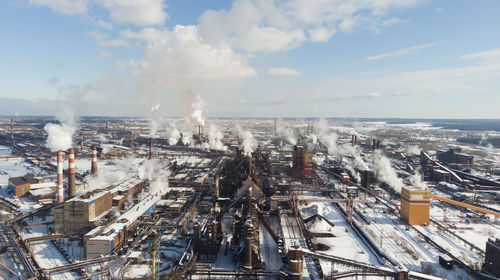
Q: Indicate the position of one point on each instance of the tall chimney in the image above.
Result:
(151, 148)
(93, 169)
(60, 189)
(374, 144)
(71, 173)
(352, 140)
(12, 132)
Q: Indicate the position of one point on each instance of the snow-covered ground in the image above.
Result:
(45, 252)
(345, 244)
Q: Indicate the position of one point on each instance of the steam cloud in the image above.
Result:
(249, 143)
(215, 138)
(383, 171)
(197, 113)
(60, 136)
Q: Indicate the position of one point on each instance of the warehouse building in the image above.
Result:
(116, 234)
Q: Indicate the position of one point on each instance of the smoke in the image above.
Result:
(286, 133)
(329, 139)
(173, 134)
(249, 144)
(384, 172)
(197, 112)
(412, 150)
(155, 122)
(60, 136)
(416, 181)
(187, 133)
(215, 138)
(153, 171)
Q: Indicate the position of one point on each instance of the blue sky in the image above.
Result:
(252, 58)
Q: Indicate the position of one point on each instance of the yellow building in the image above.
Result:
(415, 206)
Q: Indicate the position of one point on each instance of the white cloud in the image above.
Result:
(176, 59)
(283, 71)
(103, 40)
(402, 52)
(66, 7)
(105, 25)
(320, 34)
(141, 13)
(488, 56)
(279, 25)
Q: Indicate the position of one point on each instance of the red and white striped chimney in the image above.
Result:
(93, 169)
(60, 189)
(71, 173)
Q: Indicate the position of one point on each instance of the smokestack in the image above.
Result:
(374, 144)
(275, 127)
(107, 127)
(12, 132)
(378, 144)
(150, 148)
(71, 173)
(93, 168)
(353, 140)
(60, 189)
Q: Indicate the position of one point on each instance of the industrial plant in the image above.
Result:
(132, 198)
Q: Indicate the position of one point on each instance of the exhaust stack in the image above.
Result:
(150, 148)
(71, 173)
(93, 168)
(60, 189)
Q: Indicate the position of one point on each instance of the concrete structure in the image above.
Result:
(80, 213)
(22, 185)
(71, 173)
(453, 156)
(415, 206)
(492, 258)
(114, 235)
(60, 188)
(441, 175)
(301, 163)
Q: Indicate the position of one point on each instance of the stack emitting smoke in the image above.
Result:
(71, 173)
(93, 168)
(200, 131)
(60, 189)
(150, 148)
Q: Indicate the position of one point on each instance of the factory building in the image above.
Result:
(454, 157)
(415, 206)
(21, 185)
(492, 258)
(112, 237)
(80, 213)
(86, 211)
(301, 163)
(439, 175)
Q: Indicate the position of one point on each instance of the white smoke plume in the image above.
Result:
(416, 181)
(126, 168)
(60, 136)
(157, 176)
(384, 172)
(412, 150)
(173, 134)
(249, 143)
(197, 112)
(154, 122)
(286, 133)
(215, 138)
(327, 137)
(187, 133)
